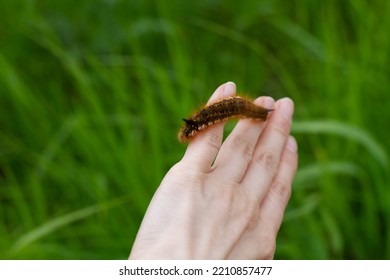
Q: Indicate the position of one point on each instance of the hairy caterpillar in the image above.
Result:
(224, 109)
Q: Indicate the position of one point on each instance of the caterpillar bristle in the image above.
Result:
(221, 110)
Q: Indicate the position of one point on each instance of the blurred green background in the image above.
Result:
(92, 94)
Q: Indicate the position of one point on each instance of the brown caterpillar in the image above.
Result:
(224, 109)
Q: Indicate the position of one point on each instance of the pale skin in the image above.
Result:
(224, 200)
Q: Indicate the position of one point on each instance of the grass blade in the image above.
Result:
(62, 221)
(347, 131)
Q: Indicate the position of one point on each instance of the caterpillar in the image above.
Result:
(221, 110)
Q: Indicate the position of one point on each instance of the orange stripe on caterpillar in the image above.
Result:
(221, 110)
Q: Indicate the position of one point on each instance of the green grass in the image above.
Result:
(92, 94)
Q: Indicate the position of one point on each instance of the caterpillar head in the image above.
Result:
(187, 131)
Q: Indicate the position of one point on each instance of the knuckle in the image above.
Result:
(282, 127)
(243, 146)
(282, 190)
(292, 160)
(192, 176)
(214, 140)
(269, 161)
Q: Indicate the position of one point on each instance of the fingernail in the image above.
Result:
(269, 102)
(292, 144)
(230, 89)
(286, 107)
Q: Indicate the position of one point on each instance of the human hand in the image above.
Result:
(224, 200)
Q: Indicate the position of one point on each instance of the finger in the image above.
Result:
(237, 150)
(258, 242)
(204, 147)
(265, 162)
(275, 202)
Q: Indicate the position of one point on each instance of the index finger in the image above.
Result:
(204, 147)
